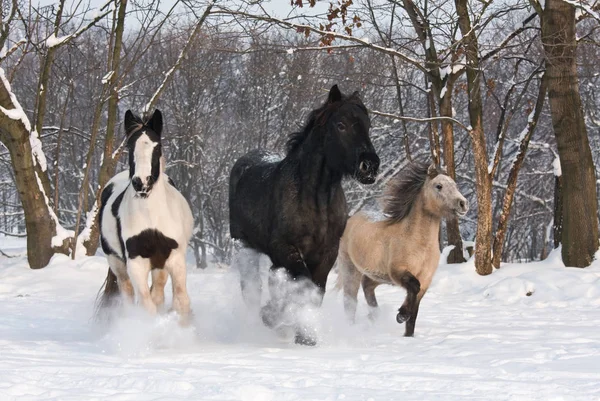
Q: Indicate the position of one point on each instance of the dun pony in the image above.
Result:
(404, 248)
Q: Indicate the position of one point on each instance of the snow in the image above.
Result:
(271, 157)
(86, 232)
(107, 77)
(16, 113)
(290, 51)
(443, 91)
(556, 167)
(476, 338)
(37, 151)
(53, 41)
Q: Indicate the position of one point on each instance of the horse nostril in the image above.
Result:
(462, 204)
(137, 183)
(149, 180)
(363, 166)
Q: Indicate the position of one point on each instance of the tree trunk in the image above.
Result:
(558, 211)
(109, 161)
(514, 174)
(483, 259)
(579, 213)
(40, 224)
(452, 228)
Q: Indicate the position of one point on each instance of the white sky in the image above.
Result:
(278, 8)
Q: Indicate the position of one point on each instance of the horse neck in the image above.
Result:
(422, 223)
(311, 162)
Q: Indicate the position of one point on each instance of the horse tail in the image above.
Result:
(107, 294)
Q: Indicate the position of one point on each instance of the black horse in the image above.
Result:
(294, 209)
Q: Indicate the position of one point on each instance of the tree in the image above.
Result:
(579, 236)
(45, 233)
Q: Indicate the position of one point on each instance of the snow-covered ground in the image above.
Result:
(477, 338)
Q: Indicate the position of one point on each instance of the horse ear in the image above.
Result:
(432, 171)
(130, 121)
(156, 122)
(356, 95)
(334, 94)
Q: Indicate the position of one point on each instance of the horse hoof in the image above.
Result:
(402, 316)
(269, 316)
(305, 340)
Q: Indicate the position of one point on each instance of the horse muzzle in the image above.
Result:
(367, 169)
(462, 207)
(142, 194)
(141, 190)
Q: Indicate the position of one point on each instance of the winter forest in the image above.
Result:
(500, 94)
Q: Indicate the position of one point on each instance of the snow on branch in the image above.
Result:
(4, 52)
(54, 41)
(590, 10)
(17, 114)
(556, 167)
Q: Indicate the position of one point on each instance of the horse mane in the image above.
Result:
(402, 190)
(318, 117)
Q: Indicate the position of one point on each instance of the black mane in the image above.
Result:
(402, 190)
(318, 118)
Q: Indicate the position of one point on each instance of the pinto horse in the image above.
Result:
(145, 224)
(294, 209)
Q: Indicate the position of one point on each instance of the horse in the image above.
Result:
(294, 209)
(403, 248)
(145, 225)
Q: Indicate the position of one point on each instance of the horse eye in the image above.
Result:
(341, 126)
(439, 187)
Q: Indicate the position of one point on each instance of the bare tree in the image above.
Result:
(579, 235)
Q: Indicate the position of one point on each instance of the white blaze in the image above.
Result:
(142, 156)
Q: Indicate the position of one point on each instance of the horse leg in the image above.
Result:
(119, 268)
(181, 300)
(306, 333)
(246, 260)
(157, 290)
(138, 270)
(283, 291)
(409, 329)
(369, 285)
(410, 306)
(272, 312)
(350, 279)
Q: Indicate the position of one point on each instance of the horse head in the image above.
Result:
(145, 151)
(348, 146)
(442, 195)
